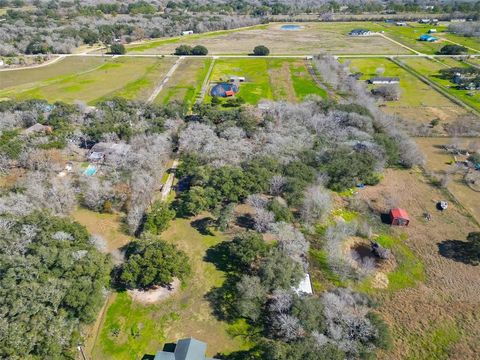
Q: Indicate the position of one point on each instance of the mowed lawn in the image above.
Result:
(186, 82)
(418, 101)
(267, 79)
(431, 69)
(133, 78)
(132, 330)
(312, 38)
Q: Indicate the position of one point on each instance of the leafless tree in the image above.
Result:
(316, 205)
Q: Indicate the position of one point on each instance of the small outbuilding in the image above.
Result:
(399, 217)
(187, 32)
(377, 80)
(224, 90)
(427, 38)
(360, 32)
(305, 286)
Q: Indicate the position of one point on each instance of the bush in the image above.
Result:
(117, 49)
(153, 262)
(453, 50)
(261, 50)
(159, 218)
(199, 50)
(183, 50)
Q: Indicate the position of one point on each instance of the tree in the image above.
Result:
(183, 50)
(117, 49)
(261, 50)
(245, 249)
(199, 50)
(474, 239)
(159, 217)
(225, 217)
(151, 262)
(452, 49)
(387, 92)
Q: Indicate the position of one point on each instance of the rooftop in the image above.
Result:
(186, 349)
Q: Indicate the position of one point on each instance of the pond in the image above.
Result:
(291, 27)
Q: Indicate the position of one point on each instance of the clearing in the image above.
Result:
(131, 330)
(312, 38)
(132, 78)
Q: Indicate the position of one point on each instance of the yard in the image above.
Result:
(132, 78)
(418, 101)
(312, 38)
(271, 79)
(131, 330)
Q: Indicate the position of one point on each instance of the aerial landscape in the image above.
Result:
(239, 180)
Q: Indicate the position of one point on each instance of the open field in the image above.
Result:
(144, 329)
(132, 78)
(313, 38)
(272, 79)
(438, 162)
(439, 318)
(186, 82)
(418, 101)
(430, 69)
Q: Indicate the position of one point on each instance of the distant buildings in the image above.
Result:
(401, 23)
(185, 349)
(380, 80)
(188, 32)
(360, 32)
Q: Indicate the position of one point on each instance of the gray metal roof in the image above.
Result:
(190, 349)
(163, 355)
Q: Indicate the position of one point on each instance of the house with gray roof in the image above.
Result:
(185, 349)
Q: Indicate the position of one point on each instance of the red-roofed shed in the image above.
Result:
(399, 217)
(229, 93)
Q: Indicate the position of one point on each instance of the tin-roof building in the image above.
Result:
(185, 349)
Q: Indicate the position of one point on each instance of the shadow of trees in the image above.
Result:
(460, 251)
(202, 225)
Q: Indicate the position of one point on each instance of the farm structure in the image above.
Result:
(185, 349)
(427, 38)
(188, 32)
(383, 80)
(224, 90)
(360, 32)
(399, 217)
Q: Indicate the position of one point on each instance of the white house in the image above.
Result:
(188, 32)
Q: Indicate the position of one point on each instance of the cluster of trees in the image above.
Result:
(259, 289)
(53, 281)
(471, 28)
(452, 49)
(462, 77)
(198, 50)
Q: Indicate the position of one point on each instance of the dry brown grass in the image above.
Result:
(450, 294)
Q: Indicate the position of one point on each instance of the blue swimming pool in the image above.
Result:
(291, 27)
(90, 170)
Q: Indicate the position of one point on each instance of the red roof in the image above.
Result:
(229, 93)
(398, 213)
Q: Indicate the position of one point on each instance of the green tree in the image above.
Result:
(159, 218)
(117, 49)
(183, 50)
(151, 262)
(474, 239)
(261, 50)
(452, 49)
(199, 50)
(225, 217)
(245, 249)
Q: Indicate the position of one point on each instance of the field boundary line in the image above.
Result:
(435, 86)
(400, 44)
(206, 81)
(167, 77)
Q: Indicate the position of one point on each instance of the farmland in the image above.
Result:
(427, 296)
(312, 38)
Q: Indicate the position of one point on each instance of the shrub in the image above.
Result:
(199, 50)
(159, 218)
(117, 49)
(261, 50)
(452, 49)
(183, 50)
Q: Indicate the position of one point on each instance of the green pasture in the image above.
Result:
(132, 78)
(267, 78)
(414, 92)
(186, 83)
(431, 68)
(131, 330)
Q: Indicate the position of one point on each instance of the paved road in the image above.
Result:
(167, 77)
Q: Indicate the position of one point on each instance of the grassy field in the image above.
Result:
(409, 35)
(132, 78)
(186, 83)
(418, 101)
(273, 79)
(143, 329)
(430, 69)
(313, 38)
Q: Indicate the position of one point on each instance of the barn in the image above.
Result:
(399, 217)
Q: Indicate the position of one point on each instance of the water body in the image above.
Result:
(291, 27)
